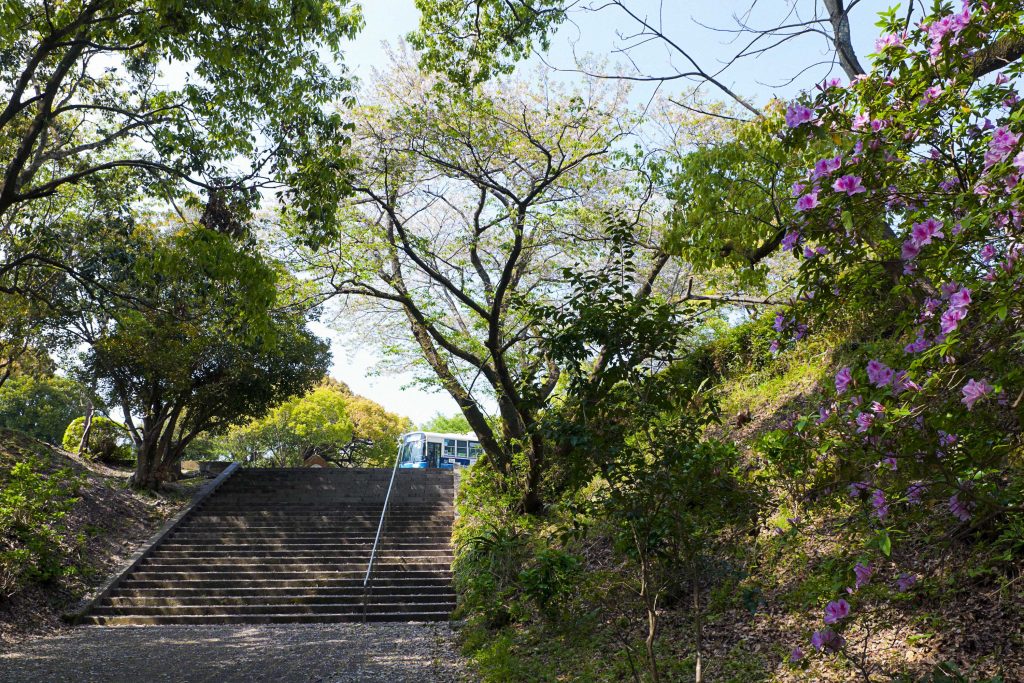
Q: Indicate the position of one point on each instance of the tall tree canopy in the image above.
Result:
(214, 339)
(467, 208)
(181, 90)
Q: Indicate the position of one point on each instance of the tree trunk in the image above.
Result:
(147, 464)
(86, 428)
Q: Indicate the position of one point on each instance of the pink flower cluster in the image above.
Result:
(957, 310)
(921, 234)
(973, 391)
(951, 23)
(797, 115)
(1001, 145)
(850, 184)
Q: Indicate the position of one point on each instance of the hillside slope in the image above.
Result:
(103, 528)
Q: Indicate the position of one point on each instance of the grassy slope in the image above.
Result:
(107, 525)
(965, 609)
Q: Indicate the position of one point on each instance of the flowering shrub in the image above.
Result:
(914, 211)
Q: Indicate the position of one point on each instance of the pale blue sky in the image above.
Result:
(387, 21)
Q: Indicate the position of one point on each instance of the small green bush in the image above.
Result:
(108, 440)
(33, 504)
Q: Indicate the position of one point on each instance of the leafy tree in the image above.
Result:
(83, 78)
(42, 407)
(451, 424)
(376, 433)
(668, 506)
(216, 341)
(473, 40)
(470, 206)
(330, 421)
(316, 423)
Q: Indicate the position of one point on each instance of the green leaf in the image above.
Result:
(884, 542)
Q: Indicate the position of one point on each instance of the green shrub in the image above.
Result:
(108, 440)
(33, 504)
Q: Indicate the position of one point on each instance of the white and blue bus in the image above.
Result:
(444, 451)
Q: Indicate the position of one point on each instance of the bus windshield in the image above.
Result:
(412, 451)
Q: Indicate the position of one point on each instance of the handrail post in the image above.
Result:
(380, 528)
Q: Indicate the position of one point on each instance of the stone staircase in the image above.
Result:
(292, 545)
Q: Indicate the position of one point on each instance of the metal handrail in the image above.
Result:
(380, 525)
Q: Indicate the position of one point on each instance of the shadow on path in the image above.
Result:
(328, 653)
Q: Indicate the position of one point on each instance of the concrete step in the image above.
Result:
(332, 598)
(391, 527)
(292, 546)
(152, 574)
(214, 555)
(245, 568)
(380, 589)
(268, 618)
(298, 547)
(431, 605)
(211, 584)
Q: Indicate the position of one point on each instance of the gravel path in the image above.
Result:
(327, 653)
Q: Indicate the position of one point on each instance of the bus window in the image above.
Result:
(433, 454)
(449, 448)
(412, 452)
(462, 449)
(474, 449)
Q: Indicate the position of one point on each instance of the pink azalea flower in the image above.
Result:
(950, 319)
(1018, 161)
(915, 492)
(879, 373)
(891, 40)
(790, 240)
(827, 166)
(905, 582)
(850, 184)
(931, 94)
(797, 115)
(807, 201)
(961, 509)
(910, 250)
(917, 346)
(863, 573)
(880, 505)
(988, 252)
(836, 610)
(827, 640)
(960, 299)
(923, 233)
(973, 391)
(864, 421)
(796, 655)
(843, 380)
